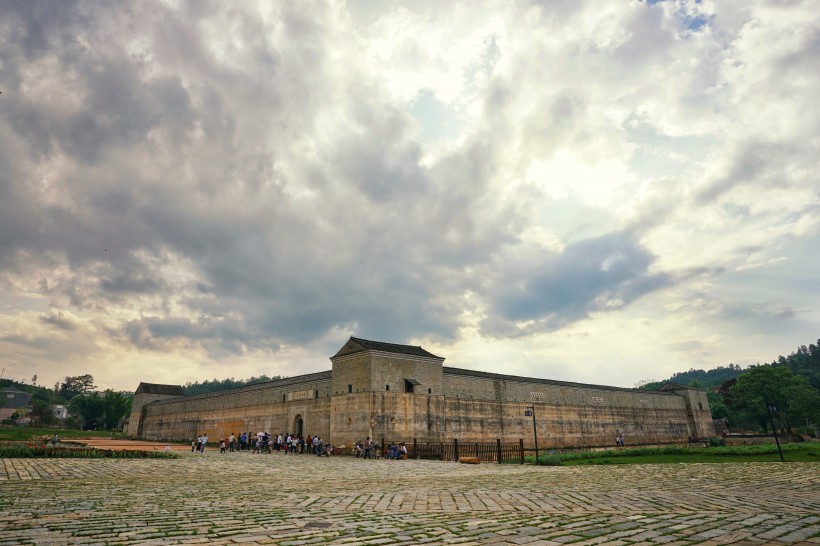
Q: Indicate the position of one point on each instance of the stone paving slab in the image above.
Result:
(241, 498)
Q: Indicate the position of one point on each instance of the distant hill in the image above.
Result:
(804, 361)
(38, 392)
(706, 379)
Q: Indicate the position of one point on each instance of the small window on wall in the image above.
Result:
(387, 387)
(316, 393)
(349, 389)
(408, 386)
(700, 405)
(284, 397)
(429, 391)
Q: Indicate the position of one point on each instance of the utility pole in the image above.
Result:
(530, 410)
(771, 410)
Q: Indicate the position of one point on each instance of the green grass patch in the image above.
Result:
(27, 452)
(22, 434)
(808, 452)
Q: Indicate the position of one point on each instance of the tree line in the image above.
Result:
(215, 385)
(87, 408)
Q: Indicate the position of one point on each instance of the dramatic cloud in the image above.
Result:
(195, 189)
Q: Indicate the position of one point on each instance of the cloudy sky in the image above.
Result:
(578, 190)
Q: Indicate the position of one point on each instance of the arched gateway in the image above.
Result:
(403, 392)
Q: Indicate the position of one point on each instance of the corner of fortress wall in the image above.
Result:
(140, 401)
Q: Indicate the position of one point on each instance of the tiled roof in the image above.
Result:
(395, 348)
(155, 388)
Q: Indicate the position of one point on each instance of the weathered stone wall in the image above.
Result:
(570, 414)
(391, 371)
(468, 384)
(387, 415)
(139, 402)
(429, 418)
(271, 407)
(351, 374)
(563, 425)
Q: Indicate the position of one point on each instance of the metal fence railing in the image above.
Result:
(496, 452)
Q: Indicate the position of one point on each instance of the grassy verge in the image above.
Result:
(22, 434)
(20, 452)
(808, 452)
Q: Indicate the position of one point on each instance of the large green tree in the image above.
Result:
(41, 414)
(116, 406)
(94, 411)
(77, 384)
(89, 409)
(791, 399)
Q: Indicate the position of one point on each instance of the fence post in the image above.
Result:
(441, 451)
(498, 449)
(455, 449)
(415, 449)
(521, 449)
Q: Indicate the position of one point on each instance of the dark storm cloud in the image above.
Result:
(130, 283)
(553, 290)
(59, 320)
(172, 158)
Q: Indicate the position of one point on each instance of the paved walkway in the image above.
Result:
(302, 499)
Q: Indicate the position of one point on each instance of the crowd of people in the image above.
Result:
(292, 444)
(263, 442)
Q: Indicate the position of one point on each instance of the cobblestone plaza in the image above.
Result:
(303, 499)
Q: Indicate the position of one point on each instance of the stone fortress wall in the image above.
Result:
(274, 406)
(401, 392)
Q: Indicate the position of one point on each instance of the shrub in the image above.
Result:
(551, 460)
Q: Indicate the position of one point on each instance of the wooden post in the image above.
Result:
(455, 449)
(521, 449)
(381, 448)
(415, 449)
(498, 449)
(441, 451)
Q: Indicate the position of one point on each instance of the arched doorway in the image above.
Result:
(298, 426)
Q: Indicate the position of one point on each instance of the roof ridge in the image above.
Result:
(395, 348)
